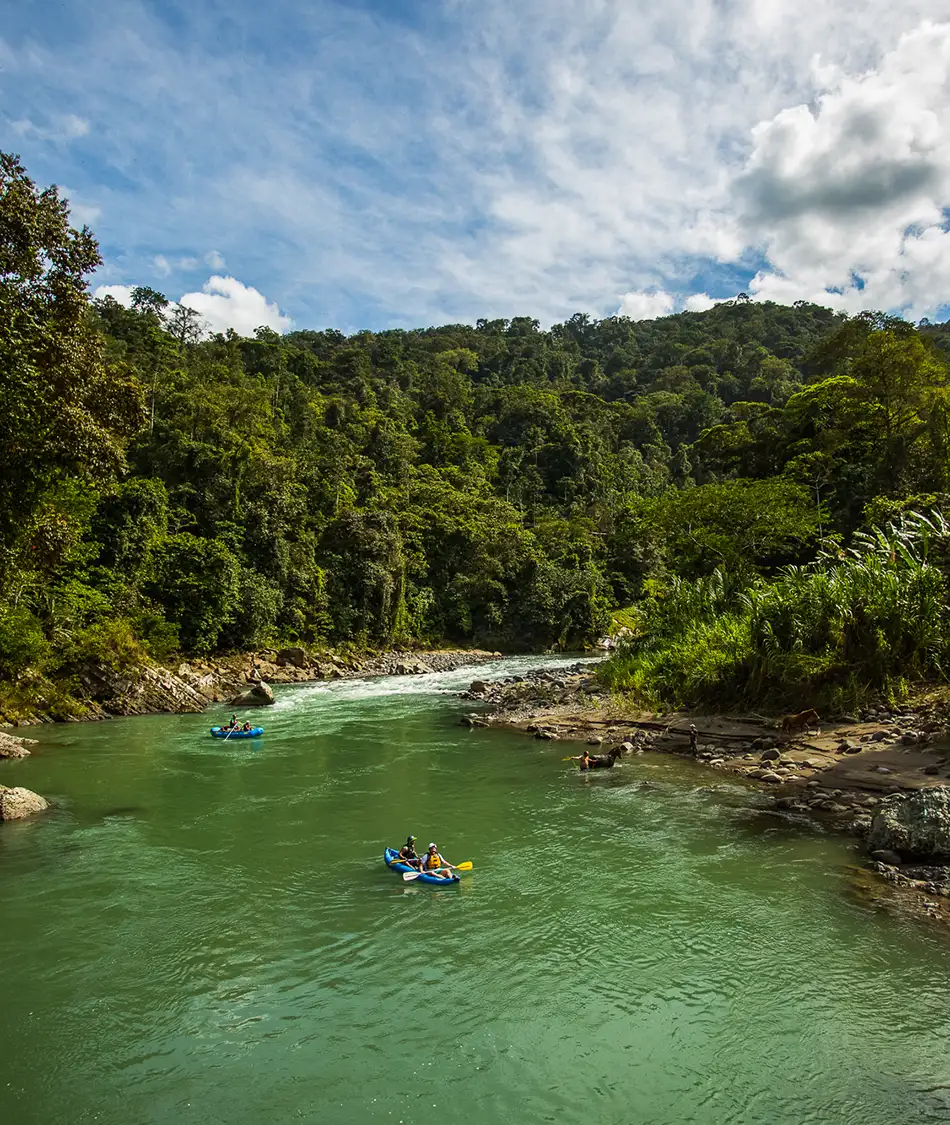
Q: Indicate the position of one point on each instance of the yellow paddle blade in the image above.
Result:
(466, 866)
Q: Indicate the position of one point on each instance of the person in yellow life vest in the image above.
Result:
(435, 864)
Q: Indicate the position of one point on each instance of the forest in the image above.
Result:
(754, 492)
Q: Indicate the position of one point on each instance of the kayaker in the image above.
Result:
(247, 726)
(433, 862)
(233, 724)
(407, 853)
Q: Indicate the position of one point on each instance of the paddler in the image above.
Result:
(434, 864)
(407, 853)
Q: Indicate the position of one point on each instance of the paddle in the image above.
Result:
(408, 876)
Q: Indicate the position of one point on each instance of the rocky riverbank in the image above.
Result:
(102, 692)
(882, 775)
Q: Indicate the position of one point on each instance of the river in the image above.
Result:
(204, 932)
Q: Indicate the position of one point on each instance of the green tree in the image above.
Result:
(65, 415)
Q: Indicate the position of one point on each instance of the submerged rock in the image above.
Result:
(13, 747)
(914, 825)
(17, 803)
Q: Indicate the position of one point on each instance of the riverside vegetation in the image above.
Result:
(759, 487)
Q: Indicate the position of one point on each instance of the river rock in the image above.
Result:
(478, 687)
(295, 656)
(17, 803)
(770, 755)
(915, 825)
(260, 695)
(13, 747)
(883, 855)
(411, 668)
(771, 776)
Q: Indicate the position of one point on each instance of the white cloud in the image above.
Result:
(224, 302)
(699, 302)
(640, 305)
(161, 265)
(120, 293)
(849, 198)
(60, 129)
(215, 260)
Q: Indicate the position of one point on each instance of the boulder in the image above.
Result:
(478, 687)
(12, 747)
(260, 695)
(915, 825)
(882, 855)
(295, 656)
(770, 756)
(17, 803)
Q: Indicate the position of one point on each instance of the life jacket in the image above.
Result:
(434, 861)
(407, 853)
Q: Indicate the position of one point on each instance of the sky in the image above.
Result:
(399, 163)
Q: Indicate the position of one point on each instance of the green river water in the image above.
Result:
(204, 932)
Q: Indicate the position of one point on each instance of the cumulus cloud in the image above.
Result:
(224, 302)
(849, 197)
(120, 293)
(215, 260)
(699, 302)
(640, 305)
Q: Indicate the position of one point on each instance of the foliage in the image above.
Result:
(861, 621)
(496, 484)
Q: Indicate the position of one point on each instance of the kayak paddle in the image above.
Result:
(409, 876)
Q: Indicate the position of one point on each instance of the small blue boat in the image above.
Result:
(222, 732)
(392, 861)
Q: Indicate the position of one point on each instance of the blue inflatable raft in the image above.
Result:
(221, 732)
(392, 861)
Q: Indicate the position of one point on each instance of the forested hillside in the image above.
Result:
(500, 484)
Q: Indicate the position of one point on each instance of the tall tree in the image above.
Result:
(63, 416)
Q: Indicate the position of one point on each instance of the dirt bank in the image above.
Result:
(837, 773)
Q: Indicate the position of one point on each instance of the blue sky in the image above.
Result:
(376, 164)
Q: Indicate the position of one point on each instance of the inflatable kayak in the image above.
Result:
(221, 732)
(392, 861)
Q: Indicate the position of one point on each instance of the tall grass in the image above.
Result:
(856, 623)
